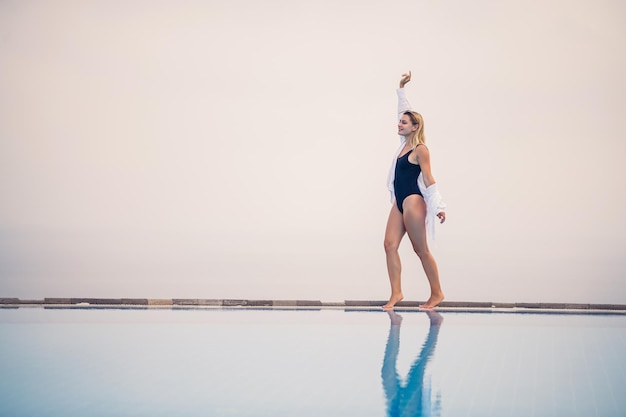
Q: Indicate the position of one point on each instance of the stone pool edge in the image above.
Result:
(303, 304)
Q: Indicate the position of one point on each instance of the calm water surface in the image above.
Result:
(109, 362)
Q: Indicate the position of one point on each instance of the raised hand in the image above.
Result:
(406, 77)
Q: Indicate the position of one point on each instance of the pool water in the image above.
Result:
(328, 362)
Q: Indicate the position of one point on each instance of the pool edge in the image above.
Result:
(188, 303)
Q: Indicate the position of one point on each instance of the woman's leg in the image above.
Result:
(393, 235)
(415, 223)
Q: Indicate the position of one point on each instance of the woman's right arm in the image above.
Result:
(403, 102)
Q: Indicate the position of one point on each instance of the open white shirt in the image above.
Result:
(434, 202)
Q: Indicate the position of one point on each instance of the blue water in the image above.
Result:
(169, 362)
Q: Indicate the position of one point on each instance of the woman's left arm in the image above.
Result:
(423, 159)
(433, 199)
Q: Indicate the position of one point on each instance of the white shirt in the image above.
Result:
(434, 202)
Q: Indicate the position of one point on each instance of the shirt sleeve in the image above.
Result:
(434, 205)
(403, 105)
(403, 102)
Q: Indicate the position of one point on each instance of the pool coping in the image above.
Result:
(77, 302)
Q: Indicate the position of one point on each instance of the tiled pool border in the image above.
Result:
(305, 304)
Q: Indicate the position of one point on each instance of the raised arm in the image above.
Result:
(403, 102)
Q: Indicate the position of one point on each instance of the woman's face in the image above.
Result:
(405, 126)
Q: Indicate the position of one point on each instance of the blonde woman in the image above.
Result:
(416, 202)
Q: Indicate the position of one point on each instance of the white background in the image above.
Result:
(239, 149)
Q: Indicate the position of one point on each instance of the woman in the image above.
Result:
(416, 201)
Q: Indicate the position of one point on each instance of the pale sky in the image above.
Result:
(239, 149)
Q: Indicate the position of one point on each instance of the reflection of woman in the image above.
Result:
(416, 202)
(412, 399)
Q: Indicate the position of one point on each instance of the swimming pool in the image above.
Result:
(331, 362)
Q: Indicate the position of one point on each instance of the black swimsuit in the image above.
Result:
(405, 180)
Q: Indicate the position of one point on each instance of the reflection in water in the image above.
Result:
(414, 398)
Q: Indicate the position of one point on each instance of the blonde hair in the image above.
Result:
(418, 137)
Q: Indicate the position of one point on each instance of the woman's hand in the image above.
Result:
(406, 77)
(442, 216)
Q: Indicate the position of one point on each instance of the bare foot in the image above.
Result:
(432, 302)
(393, 300)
